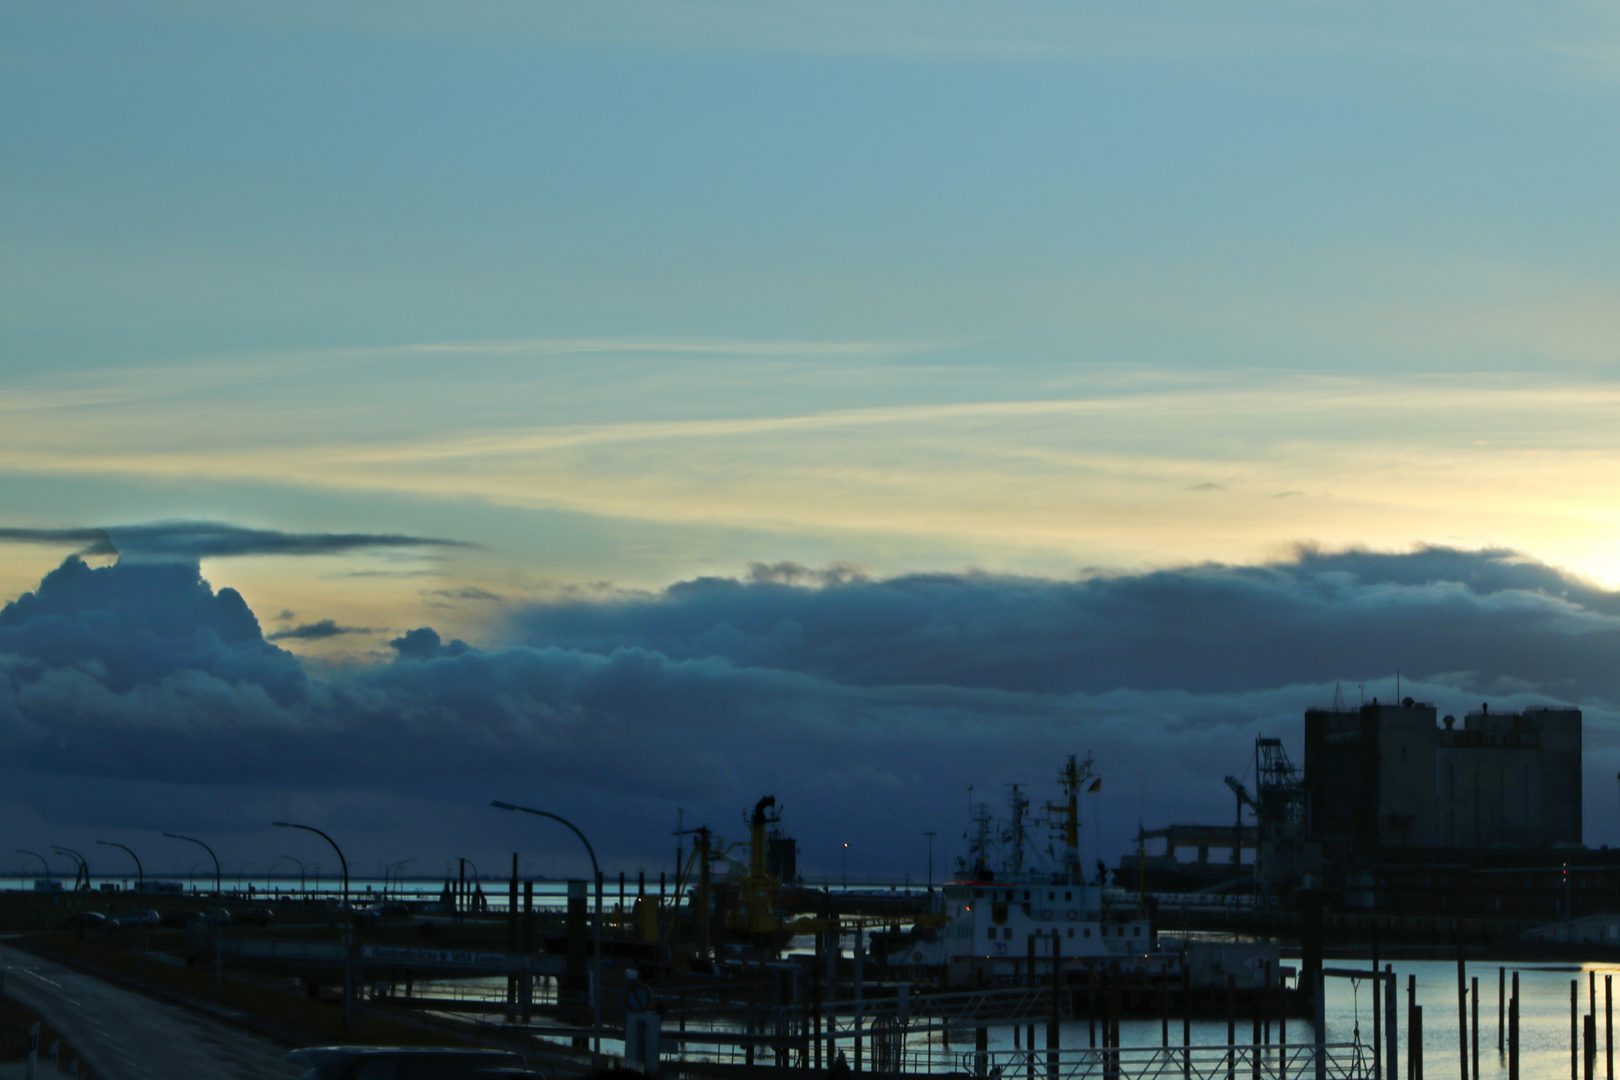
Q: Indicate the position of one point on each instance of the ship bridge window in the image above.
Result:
(1026, 894)
(1006, 935)
(1071, 931)
(1051, 896)
(1136, 931)
(992, 933)
(1088, 931)
(1068, 896)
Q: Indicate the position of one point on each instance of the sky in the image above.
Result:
(643, 407)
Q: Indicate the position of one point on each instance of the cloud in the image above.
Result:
(866, 705)
(317, 631)
(466, 592)
(194, 540)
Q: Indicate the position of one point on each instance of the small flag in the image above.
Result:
(1096, 785)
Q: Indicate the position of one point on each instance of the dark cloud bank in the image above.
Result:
(135, 698)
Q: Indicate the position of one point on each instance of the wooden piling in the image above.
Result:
(1608, 1025)
(1254, 1050)
(1411, 1012)
(1589, 1051)
(1029, 1031)
(1186, 1017)
(1052, 1047)
(1462, 1002)
(1415, 1043)
(1474, 988)
(1501, 1009)
(1231, 1027)
(1513, 1031)
(1377, 1010)
(1392, 1032)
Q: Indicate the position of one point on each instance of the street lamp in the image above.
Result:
(930, 836)
(84, 867)
(596, 1052)
(301, 887)
(846, 864)
(218, 888)
(41, 858)
(140, 872)
(329, 840)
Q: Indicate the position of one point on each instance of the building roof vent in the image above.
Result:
(1449, 721)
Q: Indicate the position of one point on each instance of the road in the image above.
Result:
(121, 1035)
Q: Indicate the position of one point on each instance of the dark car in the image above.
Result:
(215, 916)
(180, 918)
(402, 1063)
(142, 919)
(255, 916)
(86, 920)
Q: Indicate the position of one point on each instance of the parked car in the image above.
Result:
(255, 916)
(216, 916)
(144, 919)
(402, 1062)
(179, 918)
(86, 920)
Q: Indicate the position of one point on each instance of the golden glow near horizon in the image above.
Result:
(1124, 470)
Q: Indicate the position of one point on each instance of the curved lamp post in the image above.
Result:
(41, 858)
(139, 872)
(218, 888)
(301, 886)
(596, 1051)
(329, 840)
(84, 866)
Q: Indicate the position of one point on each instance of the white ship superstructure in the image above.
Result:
(990, 921)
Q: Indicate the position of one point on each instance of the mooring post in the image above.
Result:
(1164, 1009)
(1231, 1026)
(1608, 1025)
(1377, 1009)
(1589, 1057)
(1462, 1001)
(1319, 1022)
(1574, 1034)
(1411, 1013)
(1392, 1035)
(860, 990)
(1029, 1031)
(1415, 1043)
(1186, 1016)
(1513, 1031)
(1474, 991)
(1282, 1029)
(1052, 1047)
(1501, 1009)
(1254, 1049)
(981, 1051)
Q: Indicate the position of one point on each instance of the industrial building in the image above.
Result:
(1393, 776)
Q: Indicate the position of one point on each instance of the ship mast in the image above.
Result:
(1017, 804)
(1067, 815)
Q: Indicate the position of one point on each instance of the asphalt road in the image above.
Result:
(121, 1035)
